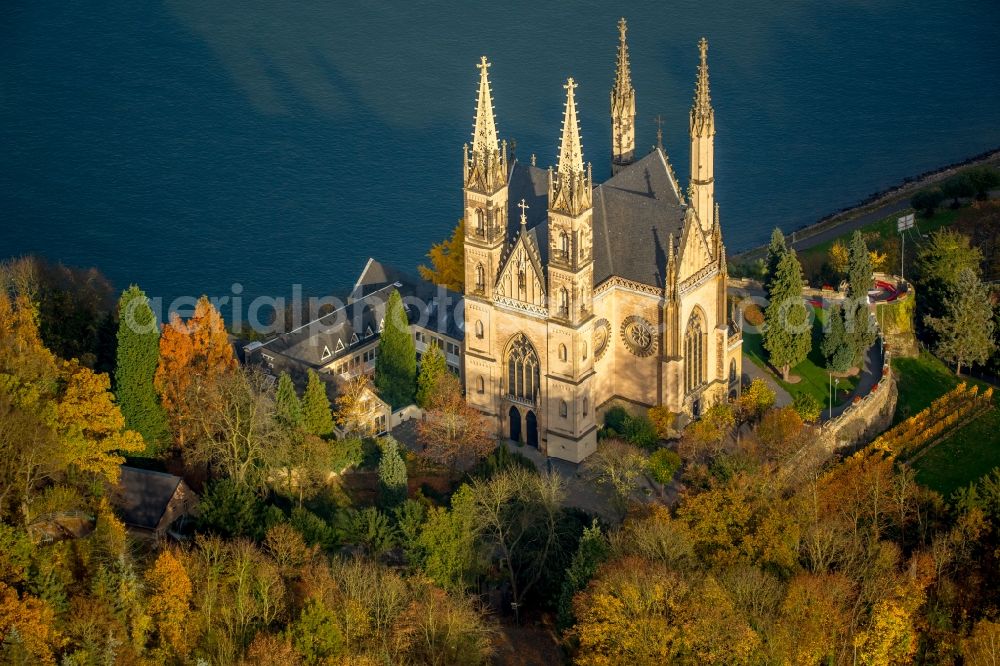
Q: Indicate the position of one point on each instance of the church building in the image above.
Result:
(579, 297)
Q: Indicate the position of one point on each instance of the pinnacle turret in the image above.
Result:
(484, 134)
(570, 149)
(702, 113)
(622, 107)
(486, 166)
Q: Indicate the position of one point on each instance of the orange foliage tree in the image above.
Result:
(194, 351)
(170, 602)
(454, 433)
(27, 633)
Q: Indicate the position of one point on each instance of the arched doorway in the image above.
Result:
(532, 429)
(515, 424)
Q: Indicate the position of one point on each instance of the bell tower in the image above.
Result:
(622, 108)
(485, 174)
(570, 425)
(702, 187)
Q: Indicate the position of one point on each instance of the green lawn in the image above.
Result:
(966, 454)
(814, 378)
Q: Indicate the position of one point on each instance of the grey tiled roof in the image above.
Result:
(357, 323)
(634, 214)
(143, 495)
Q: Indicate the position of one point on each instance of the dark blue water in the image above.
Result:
(191, 144)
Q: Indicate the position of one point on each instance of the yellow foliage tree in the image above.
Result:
(91, 425)
(890, 637)
(878, 259)
(663, 420)
(448, 261)
(839, 257)
(170, 602)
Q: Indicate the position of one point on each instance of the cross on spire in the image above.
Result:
(659, 131)
(523, 206)
(570, 150)
(623, 74)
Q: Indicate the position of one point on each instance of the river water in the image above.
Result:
(191, 145)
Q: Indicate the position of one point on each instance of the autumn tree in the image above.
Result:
(965, 330)
(317, 418)
(838, 257)
(755, 399)
(169, 603)
(138, 356)
(788, 334)
(396, 362)
(778, 432)
(518, 514)
(454, 433)
(447, 261)
(193, 356)
(663, 420)
(237, 433)
(433, 366)
(708, 434)
(618, 467)
(27, 628)
(356, 410)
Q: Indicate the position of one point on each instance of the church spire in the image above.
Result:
(622, 107)
(484, 134)
(486, 167)
(701, 191)
(702, 112)
(570, 150)
(570, 184)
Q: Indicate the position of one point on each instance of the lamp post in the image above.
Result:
(830, 414)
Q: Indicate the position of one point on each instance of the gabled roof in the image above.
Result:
(358, 322)
(144, 495)
(634, 214)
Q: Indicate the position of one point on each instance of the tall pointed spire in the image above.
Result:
(701, 190)
(701, 111)
(622, 107)
(484, 134)
(486, 167)
(570, 150)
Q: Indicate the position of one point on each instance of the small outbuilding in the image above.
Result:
(152, 502)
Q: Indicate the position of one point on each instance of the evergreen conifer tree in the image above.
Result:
(788, 332)
(965, 331)
(775, 251)
(391, 474)
(861, 331)
(396, 363)
(859, 269)
(837, 347)
(287, 406)
(316, 416)
(433, 366)
(137, 357)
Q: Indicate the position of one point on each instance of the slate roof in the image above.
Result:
(144, 495)
(357, 323)
(634, 214)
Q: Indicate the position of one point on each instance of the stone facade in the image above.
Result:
(580, 296)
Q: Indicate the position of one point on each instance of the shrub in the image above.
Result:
(615, 417)
(753, 315)
(638, 430)
(663, 464)
(808, 407)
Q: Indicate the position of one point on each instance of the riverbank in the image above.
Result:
(872, 209)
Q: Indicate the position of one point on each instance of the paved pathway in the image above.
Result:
(752, 371)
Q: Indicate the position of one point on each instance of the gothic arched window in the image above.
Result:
(523, 369)
(482, 385)
(564, 245)
(479, 328)
(562, 352)
(694, 352)
(480, 277)
(732, 371)
(564, 302)
(480, 222)
(585, 405)
(584, 350)
(563, 409)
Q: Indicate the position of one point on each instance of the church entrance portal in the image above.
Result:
(515, 424)
(532, 429)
